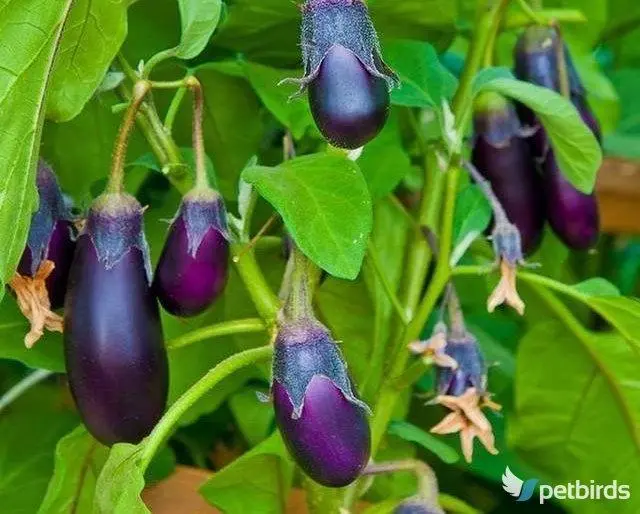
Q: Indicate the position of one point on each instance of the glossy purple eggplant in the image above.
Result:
(193, 268)
(322, 423)
(573, 215)
(113, 343)
(349, 105)
(501, 154)
(51, 236)
(347, 78)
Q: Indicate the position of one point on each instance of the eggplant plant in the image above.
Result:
(366, 265)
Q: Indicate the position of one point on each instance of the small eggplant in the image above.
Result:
(501, 154)
(417, 506)
(343, 68)
(193, 268)
(113, 343)
(51, 237)
(323, 424)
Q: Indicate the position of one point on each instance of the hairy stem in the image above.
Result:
(224, 328)
(23, 386)
(202, 180)
(116, 176)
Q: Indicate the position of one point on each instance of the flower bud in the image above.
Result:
(471, 369)
(51, 237)
(193, 268)
(323, 424)
(114, 350)
(348, 81)
(502, 156)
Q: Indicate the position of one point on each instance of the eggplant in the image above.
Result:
(323, 424)
(573, 215)
(345, 74)
(501, 154)
(193, 268)
(51, 236)
(114, 349)
(417, 506)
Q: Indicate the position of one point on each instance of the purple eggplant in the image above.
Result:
(51, 236)
(573, 215)
(323, 424)
(193, 268)
(114, 350)
(343, 68)
(501, 154)
(349, 105)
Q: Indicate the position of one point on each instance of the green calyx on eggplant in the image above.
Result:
(113, 343)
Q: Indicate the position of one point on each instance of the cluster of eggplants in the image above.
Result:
(347, 80)
(539, 55)
(52, 236)
(323, 424)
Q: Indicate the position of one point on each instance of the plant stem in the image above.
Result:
(202, 181)
(227, 367)
(174, 107)
(116, 176)
(461, 109)
(157, 59)
(320, 499)
(427, 481)
(23, 386)
(528, 11)
(266, 302)
(375, 263)
(519, 20)
(301, 285)
(485, 186)
(224, 328)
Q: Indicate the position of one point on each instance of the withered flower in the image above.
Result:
(508, 250)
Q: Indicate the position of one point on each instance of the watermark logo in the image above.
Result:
(521, 489)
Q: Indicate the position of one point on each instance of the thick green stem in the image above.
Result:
(519, 20)
(224, 328)
(202, 181)
(301, 284)
(266, 302)
(462, 104)
(166, 425)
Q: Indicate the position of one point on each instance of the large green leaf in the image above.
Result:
(92, 36)
(293, 114)
(199, 19)
(577, 413)
(325, 204)
(29, 430)
(576, 148)
(258, 482)
(79, 458)
(31, 33)
(425, 82)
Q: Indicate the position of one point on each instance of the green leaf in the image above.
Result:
(487, 75)
(409, 432)
(384, 162)
(576, 148)
(31, 34)
(258, 482)
(199, 19)
(293, 114)
(471, 218)
(120, 482)
(79, 458)
(46, 354)
(29, 430)
(325, 204)
(92, 36)
(425, 82)
(597, 286)
(254, 417)
(577, 412)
